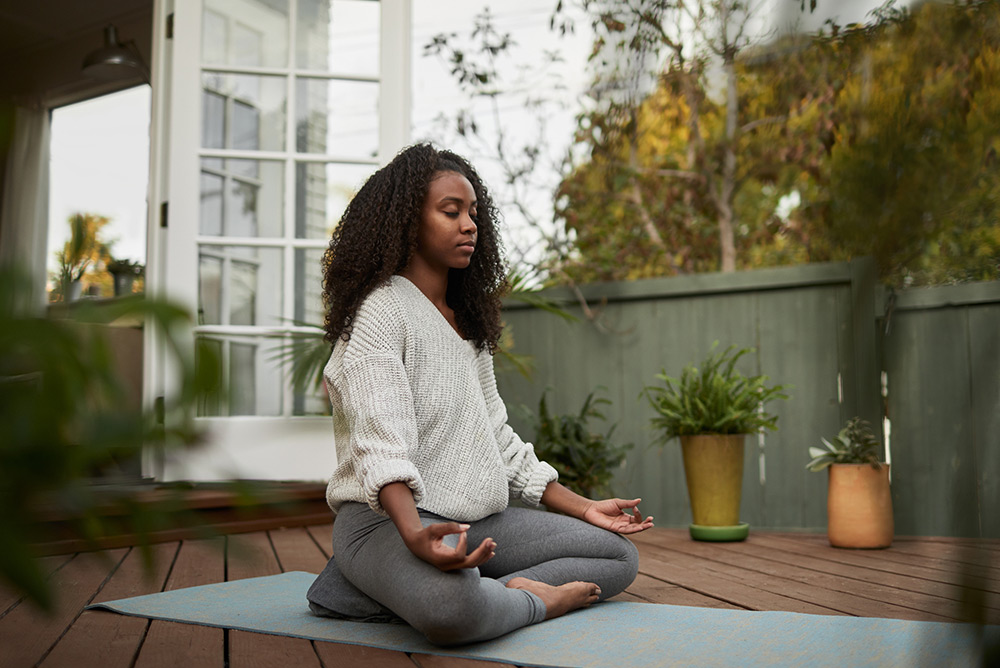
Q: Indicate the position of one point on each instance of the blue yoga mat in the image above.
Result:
(618, 634)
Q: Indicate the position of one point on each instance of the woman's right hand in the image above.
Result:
(428, 544)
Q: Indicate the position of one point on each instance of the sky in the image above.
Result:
(100, 164)
(100, 148)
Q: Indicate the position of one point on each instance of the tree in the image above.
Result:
(682, 40)
(885, 134)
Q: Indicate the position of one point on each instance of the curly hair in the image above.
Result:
(378, 233)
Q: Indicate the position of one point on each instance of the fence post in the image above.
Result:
(867, 375)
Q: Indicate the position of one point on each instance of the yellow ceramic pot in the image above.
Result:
(713, 467)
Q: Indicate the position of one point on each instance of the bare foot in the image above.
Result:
(562, 599)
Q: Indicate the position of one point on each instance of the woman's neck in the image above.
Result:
(431, 282)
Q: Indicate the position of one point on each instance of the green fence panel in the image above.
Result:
(816, 328)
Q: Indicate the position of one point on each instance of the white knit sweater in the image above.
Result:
(414, 402)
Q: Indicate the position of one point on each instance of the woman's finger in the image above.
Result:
(439, 529)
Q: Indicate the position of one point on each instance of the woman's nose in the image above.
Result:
(468, 224)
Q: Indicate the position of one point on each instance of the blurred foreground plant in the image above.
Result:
(64, 422)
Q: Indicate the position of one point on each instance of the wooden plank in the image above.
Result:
(807, 586)
(436, 661)
(957, 553)
(323, 535)
(885, 561)
(929, 403)
(724, 583)
(647, 589)
(27, 634)
(297, 551)
(104, 639)
(170, 644)
(791, 495)
(897, 576)
(336, 655)
(249, 556)
(9, 597)
(853, 593)
(984, 360)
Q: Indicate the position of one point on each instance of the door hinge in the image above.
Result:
(164, 207)
(159, 410)
(170, 25)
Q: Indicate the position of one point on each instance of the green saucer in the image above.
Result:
(720, 534)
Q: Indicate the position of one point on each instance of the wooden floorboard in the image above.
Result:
(168, 644)
(99, 639)
(926, 579)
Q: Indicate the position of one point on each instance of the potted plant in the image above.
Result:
(711, 410)
(124, 273)
(585, 460)
(858, 502)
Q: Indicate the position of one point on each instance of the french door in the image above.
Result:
(268, 115)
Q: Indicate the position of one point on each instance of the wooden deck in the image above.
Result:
(919, 579)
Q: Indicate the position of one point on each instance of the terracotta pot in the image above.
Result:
(713, 467)
(859, 506)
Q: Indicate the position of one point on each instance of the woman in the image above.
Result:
(427, 464)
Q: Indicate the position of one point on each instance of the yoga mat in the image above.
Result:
(617, 634)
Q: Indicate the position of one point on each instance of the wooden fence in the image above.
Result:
(820, 329)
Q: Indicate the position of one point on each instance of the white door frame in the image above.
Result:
(249, 447)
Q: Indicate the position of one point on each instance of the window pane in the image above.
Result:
(339, 36)
(322, 192)
(209, 290)
(210, 222)
(337, 117)
(240, 285)
(242, 374)
(245, 32)
(309, 286)
(250, 377)
(213, 126)
(214, 36)
(242, 198)
(246, 111)
(246, 126)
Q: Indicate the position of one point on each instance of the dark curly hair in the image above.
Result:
(378, 233)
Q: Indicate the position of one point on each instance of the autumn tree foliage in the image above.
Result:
(879, 140)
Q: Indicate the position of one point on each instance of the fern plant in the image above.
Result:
(715, 399)
(584, 459)
(854, 444)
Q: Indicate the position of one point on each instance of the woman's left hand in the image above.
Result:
(611, 514)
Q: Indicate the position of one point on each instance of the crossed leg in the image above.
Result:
(537, 554)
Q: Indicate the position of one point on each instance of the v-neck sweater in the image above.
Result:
(413, 402)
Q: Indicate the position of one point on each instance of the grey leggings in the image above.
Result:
(474, 604)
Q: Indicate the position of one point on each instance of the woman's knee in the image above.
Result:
(452, 617)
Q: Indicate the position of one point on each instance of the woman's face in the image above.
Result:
(447, 235)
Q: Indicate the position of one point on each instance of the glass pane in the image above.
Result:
(210, 403)
(309, 286)
(240, 285)
(250, 376)
(244, 111)
(339, 36)
(209, 290)
(210, 222)
(245, 33)
(241, 198)
(213, 127)
(322, 192)
(337, 117)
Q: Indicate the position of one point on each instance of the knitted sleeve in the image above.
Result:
(527, 477)
(377, 402)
